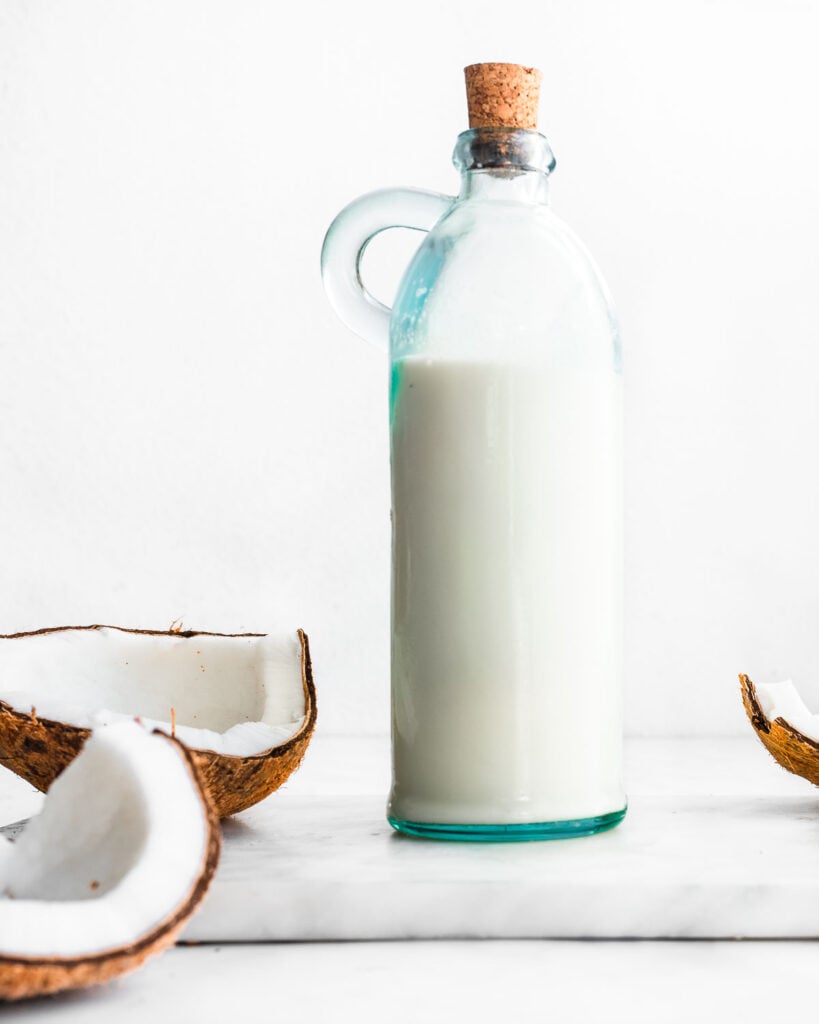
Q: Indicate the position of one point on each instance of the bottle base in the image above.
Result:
(521, 833)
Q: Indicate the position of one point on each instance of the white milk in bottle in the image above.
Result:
(507, 599)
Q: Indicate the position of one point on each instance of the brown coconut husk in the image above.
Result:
(38, 749)
(788, 746)
(25, 977)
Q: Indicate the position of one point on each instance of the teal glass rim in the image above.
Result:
(523, 833)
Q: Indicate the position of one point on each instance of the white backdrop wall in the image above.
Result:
(187, 432)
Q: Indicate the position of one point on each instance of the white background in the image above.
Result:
(187, 432)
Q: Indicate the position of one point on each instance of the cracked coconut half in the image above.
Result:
(244, 704)
(786, 727)
(111, 869)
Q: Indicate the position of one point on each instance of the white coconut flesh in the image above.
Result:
(238, 695)
(782, 700)
(119, 846)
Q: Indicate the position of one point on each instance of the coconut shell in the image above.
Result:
(236, 783)
(791, 748)
(25, 977)
(38, 749)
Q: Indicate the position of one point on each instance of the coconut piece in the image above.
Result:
(244, 704)
(784, 725)
(109, 872)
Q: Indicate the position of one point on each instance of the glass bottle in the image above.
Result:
(505, 427)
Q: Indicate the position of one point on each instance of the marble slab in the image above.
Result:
(313, 868)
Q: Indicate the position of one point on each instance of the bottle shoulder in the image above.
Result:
(501, 274)
(531, 228)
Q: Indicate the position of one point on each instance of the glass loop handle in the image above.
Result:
(348, 237)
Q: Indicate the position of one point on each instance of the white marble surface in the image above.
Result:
(719, 842)
(454, 983)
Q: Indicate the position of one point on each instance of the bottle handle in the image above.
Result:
(350, 234)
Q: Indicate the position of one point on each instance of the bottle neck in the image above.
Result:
(493, 185)
(504, 164)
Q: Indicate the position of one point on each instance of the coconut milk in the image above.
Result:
(506, 594)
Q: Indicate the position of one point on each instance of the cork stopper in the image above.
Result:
(502, 95)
